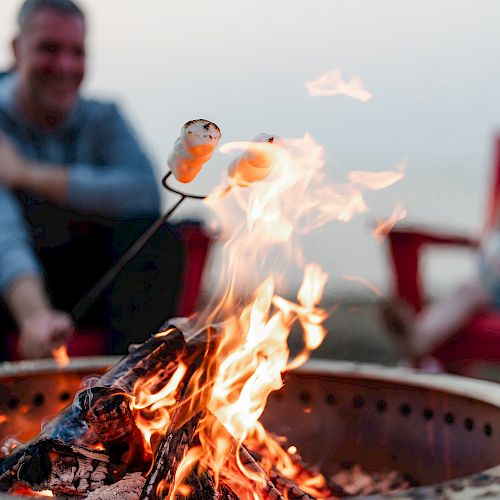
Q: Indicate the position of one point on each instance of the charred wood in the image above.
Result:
(179, 438)
(70, 427)
(107, 412)
(64, 469)
(128, 488)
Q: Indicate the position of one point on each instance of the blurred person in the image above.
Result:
(76, 189)
(420, 336)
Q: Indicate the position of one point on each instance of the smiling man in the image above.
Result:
(62, 159)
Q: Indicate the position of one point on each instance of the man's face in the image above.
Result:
(50, 60)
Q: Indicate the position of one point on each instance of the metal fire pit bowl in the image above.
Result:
(442, 431)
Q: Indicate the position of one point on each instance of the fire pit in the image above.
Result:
(432, 428)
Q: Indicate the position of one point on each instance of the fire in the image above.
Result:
(378, 180)
(151, 405)
(365, 283)
(252, 317)
(384, 226)
(61, 356)
(331, 83)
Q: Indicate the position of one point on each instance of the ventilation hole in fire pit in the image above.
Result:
(38, 399)
(358, 401)
(469, 423)
(405, 409)
(13, 402)
(381, 406)
(305, 397)
(64, 396)
(330, 399)
(428, 414)
(488, 430)
(449, 418)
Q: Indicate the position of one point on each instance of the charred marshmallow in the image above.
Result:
(193, 148)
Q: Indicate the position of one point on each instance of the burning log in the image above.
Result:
(107, 412)
(70, 427)
(64, 469)
(179, 439)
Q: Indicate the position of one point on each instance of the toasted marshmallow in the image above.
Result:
(255, 163)
(193, 148)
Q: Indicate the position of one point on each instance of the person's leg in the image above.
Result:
(440, 321)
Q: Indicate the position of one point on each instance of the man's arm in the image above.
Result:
(18, 172)
(120, 184)
(42, 328)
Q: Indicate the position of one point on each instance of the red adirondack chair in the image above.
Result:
(96, 342)
(479, 341)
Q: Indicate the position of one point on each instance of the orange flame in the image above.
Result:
(156, 401)
(364, 282)
(263, 222)
(378, 180)
(331, 83)
(61, 356)
(383, 227)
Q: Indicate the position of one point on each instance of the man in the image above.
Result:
(62, 159)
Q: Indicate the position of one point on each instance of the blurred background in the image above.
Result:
(433, 68)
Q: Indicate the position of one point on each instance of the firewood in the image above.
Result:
(70, 427)
(289, 488)
(179, 437)
(267, 489)
(128, 488)
(64, 469)
(107, 412)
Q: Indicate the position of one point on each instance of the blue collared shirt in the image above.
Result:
(109, 174)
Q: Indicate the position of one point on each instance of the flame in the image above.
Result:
(254, 319)
(383, 227)
(364, 282)
(151, 405)
(61, 356)
(3, 419)
(378, 180)
(331, 83)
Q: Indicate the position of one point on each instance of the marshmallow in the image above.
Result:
(255, 163)
(193, 148)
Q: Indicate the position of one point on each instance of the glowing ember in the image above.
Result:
(61, 356)
(331, 83)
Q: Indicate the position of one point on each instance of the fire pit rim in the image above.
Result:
(486, 481)
(483, 390)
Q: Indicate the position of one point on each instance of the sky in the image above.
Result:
(433, 67)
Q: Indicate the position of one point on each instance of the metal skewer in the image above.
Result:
(95, 292)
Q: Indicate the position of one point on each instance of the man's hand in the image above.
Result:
(43, 332)
(13, 166)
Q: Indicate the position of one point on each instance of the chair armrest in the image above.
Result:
(405, 244)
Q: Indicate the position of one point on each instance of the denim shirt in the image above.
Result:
(109, 175)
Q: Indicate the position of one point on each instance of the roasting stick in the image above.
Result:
(192, 149)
